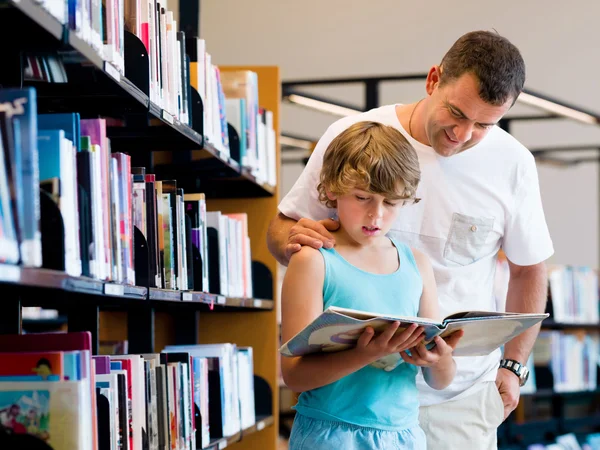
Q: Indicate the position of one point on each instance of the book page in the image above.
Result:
(478, 314)
(484, 335)
(367, 315)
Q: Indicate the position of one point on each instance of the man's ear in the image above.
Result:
(433, 79)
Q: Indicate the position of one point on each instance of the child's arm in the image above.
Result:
(302, 302)
(437, 364)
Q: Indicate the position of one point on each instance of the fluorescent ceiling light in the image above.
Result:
(296, 143)
(329, 108)
(555, 108)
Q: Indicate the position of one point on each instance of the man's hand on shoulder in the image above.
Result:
(307, 232)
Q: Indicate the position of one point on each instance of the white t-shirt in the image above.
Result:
(472, 204)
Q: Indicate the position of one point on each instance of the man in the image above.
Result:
(480, 193)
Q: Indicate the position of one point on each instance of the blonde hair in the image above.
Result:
(370, 156)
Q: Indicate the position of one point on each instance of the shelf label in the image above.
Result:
(257, 303)
(187, 296)
(222, 444)
(260, 425)
(221, 300)
(112, 71)
(11, 274)
(168, 117)
(113, 289)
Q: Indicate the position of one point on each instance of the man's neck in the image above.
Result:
(415, 127)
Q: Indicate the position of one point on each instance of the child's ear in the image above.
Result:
(331, 196)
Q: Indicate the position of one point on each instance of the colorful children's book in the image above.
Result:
(31, 366)
(338, 329)
(49, 410)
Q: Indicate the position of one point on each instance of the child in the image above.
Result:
(369, 173)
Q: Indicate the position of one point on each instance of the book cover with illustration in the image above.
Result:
(338, 329)
(26, 412)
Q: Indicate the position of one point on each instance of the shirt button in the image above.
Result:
(473, 228)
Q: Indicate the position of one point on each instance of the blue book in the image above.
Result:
(72, 363)
(68, 122)
(22, 104)
(49, 153)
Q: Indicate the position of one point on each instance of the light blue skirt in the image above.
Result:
(311, 434)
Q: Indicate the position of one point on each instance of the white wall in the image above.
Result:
(339, 38)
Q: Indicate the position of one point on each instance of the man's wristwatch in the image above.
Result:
(517, 368)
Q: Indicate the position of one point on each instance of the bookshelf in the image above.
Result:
(570, 403)
(151, 318)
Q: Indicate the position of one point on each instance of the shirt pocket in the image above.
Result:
(466, 239)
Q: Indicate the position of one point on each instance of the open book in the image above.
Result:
(338, 329)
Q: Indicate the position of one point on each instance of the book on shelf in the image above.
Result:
(574, 294)
(102, 199)
(184, 397)
(20, 106)
(337, 329)
(571, 357)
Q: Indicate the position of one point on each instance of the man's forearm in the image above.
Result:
(277, 237)
(527, 293)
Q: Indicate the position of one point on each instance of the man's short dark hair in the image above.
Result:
(493, 59)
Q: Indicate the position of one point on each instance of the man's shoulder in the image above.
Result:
(384, 114)
(499, 140)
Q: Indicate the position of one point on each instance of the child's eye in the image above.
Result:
(361, 198)
(387, 202)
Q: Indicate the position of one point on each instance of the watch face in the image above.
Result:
(524, 375)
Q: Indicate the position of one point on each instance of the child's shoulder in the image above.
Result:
(421, 260)
(307, 257)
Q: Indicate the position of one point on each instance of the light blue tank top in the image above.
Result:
(369, 397)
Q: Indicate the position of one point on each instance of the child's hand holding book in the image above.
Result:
(428, 355)
(373, 347)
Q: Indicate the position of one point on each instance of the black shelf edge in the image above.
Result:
(254, 303)
(168, 295)
(40, 16)
(54, 279)
(86, 50)
(230, 163)
(221, 443)
(215, 300)
(170, 120)
(262, 422)
(550, 324)
(131, 89)
(248, 175)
